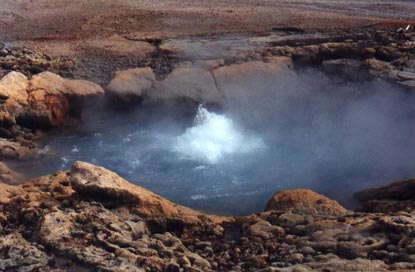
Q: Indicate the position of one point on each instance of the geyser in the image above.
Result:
(308, 131)
(213, 137)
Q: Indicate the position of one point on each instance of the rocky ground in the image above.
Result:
(89, 218)
(58, 58)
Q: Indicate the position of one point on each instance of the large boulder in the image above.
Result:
(54, 99)
(13, 96)
(131, 85)
(250, 79)
(13, 86)
(194, 84)
(46, 100)
(304, 201)
(100, 183)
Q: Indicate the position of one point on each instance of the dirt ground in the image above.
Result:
(77, 19)
(109, 35)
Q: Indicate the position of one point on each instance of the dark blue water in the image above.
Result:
(334, 142)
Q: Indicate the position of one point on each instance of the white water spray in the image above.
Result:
(214, 136)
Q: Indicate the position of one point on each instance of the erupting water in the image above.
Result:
(308, 133)
(214, 136)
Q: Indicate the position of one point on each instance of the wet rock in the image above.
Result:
(304, 201)
(194, 84)
(131, 85)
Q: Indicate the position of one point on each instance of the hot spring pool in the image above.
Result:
(232, 161)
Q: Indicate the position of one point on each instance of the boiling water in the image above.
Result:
(332, 138)
(213, 137)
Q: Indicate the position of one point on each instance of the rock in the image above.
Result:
(194, 84)
(46, 100)
(13, 90)
(250, 79)
(15, 150)
(9, 191)
(378, 68)
(14, 86)
(54, 99)
(408, 83)
(295, 258)
(9, 176)
(48, 109)
(90, 218)
(290, 220)
(19, 255)
(131, 85)
(398, 196)
(82, 89)
(406, 76)
(265, 230)
(350, 265)
(209, 64)
(98, 182)
(304, 201)
(280, 60)
(346, 68)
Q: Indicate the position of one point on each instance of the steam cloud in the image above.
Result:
(332, 136)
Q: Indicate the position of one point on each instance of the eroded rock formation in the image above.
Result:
(90, 219)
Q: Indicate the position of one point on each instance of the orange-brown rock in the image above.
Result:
(90, 219)
(98, 182)
(46, 100)
(194, 84)
(304, 201)
(250, 79)
(131, 85)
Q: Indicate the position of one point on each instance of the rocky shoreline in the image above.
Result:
(89, 218)
(34, 96)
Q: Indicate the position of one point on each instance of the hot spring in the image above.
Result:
(331, 136)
